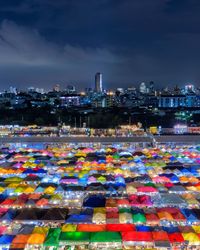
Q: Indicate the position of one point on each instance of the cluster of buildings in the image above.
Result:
(146, 95)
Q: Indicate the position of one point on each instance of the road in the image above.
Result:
(193, 139)
(75, 139)
(189, 139)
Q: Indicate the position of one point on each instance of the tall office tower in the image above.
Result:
(143, 88)
(189, 88)
(13, 90)
(151, 86)
(56, 88)
(71, 89)
(98, 83)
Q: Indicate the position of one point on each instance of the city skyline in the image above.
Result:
(98, 85)
(42, 43)
(93, 87)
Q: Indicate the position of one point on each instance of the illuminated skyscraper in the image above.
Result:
(189, 88)
(151, 87)
(143, 88)
(98, 83)
(56, 88)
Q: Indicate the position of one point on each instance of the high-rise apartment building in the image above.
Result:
(98, 83)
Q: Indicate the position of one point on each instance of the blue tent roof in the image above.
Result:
(190, 216)
(171, 229)
(79, 218)
(9, 215)
(59, 189)
(172, 158)
(95, 201)
(143, 228)
(87, 211)
(41, 171)
(174, 178)
(6, 239)
(29, 171)
(185, 171)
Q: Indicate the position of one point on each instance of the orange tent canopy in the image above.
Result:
(36, 239)
(18, 246)
(91, 228)
(160, 236)
(21, 239)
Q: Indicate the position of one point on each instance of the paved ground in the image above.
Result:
(137, 139)
(75, 139)
(178, 139)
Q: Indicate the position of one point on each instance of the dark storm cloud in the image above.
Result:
(48, 41)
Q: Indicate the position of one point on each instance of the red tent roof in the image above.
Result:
(152, 217)
(8, 201)
(175, 237)
(120, 227)
(112, 215)
(160, 236)
(91, 228)
(136, 236)
(123, 202)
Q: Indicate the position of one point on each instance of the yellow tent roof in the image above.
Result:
(36, 239)
(99, 210)
(196, 229)
(29, 190)
(13, 185)
(49, 190)
(165, 216)
(69, 228)
(40, 230)
(191, 237)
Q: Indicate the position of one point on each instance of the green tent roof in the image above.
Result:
(75, 236)
(124, 210)
(13, 179)
(106, 237)
(139, 218)
(52, 238)
(19, 190)
(149, 184)
(116, 156)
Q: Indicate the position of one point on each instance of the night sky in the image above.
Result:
(43, 42)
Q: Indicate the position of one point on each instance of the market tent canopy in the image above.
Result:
(79, 218)
(160, 236)
(26, 229)
(52, 238)
(2, 229)
(143, 228)
(6, 239)
(90, 228)
(171, 229)
(120, 227)
(69, 228)
(36, 239)
(27, 214)
(175, 237)
(75, 237)
(9, 215)
(95, 201)
(196, 229)
(192, 238)
(40, 230)
(105, 237)
(136, 236)
(139, 218)
(55, 214)
(20, 241)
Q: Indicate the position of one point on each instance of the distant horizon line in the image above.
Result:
(84, 88)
